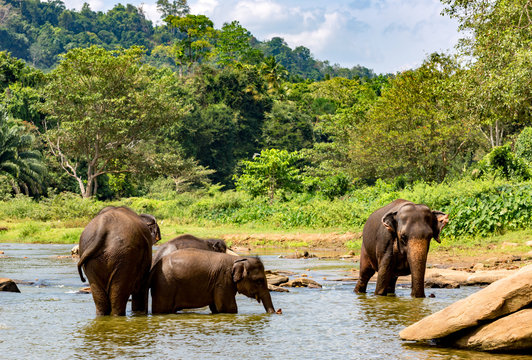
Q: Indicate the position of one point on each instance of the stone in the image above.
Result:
(509, 333)
(75, 251)
(277, 288)
(302, 282)
(439, 282)
(8, 285)
(275, 279)
(478, 267)
(498, 299)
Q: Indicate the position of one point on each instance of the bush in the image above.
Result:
(523, 145)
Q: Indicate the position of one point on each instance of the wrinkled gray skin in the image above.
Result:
(188, 241)
(396, 241)
(192, 278)
(115, 254)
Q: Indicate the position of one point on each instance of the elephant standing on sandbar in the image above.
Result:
(115, 251)
(395, 242)
(193, 278)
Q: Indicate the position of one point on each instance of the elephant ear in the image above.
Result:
(440, 220)
(239, 269)
(150, 221)
(389, 221)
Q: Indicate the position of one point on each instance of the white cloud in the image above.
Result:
(384, 35)
(318, 38)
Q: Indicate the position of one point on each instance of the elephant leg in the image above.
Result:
(101, 300)
(213, 308)
(385, 275)
(119, 296)
(366, 272)
(391, 285)
(139, 301)
(225, 302)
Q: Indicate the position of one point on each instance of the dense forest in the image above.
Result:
(108, 106)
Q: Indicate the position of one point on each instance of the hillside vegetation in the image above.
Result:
(210, 127)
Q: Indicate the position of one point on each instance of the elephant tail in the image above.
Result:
(94, 242)
(80, 273)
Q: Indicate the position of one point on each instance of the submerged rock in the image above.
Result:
(277, 288)
(8, 285)
(302, 282)
(276, 279)
(503, 297)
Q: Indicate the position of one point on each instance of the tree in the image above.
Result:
(497, 45)
(288, 128)
(174, 8)
(101, 105)
(233, 44)
(269, 172)
(199, 34)
(274, 74)
(19, 162)
(412, 129)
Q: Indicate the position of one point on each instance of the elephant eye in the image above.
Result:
(404, 238)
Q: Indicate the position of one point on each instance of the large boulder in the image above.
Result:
(8, 285)
(502, 297)
(510, 333)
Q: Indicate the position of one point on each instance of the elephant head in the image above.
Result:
(250, 279)
(413, 226)
(150, 221)
(217, 245)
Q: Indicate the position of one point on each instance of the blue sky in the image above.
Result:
(384, 35)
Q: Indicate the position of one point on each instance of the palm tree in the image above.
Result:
(18, 161)
(274, 73)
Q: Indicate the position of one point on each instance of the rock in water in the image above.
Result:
(8, 285)
(75, 251)
(510, 333)
(503, 297)
(302, 282)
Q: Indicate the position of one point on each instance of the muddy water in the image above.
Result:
(49, 320)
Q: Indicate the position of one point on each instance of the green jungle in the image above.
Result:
(213, 131)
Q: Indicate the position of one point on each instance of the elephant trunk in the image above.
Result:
(417, 251)
(267, 301)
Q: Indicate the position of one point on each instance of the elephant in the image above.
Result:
(115, 251)
(395, 242)
(188, 241)
(194, 278)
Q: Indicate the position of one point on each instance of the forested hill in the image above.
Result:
(38, 31)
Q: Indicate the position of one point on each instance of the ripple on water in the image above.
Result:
(330, 323)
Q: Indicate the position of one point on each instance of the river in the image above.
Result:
(49, 319)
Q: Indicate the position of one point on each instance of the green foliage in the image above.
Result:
(19, 161)
(410, 130)
(100, 104)
(502, 208)
(523, 145)
(288, 128)
(271, 171)
(501, 161)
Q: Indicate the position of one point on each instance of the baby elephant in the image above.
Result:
(193, 278)
(188, 241)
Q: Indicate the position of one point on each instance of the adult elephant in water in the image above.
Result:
(395, 242)
(188, 241)
(192, 278)
(115, 251)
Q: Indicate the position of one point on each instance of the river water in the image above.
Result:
(49, 319)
